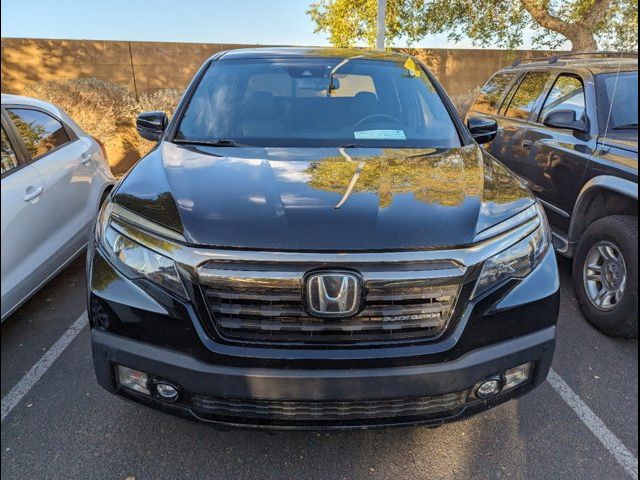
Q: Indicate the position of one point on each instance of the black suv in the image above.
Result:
(568, 126)
(317, 241)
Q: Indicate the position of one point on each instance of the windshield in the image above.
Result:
(621, 98)
(317, 102)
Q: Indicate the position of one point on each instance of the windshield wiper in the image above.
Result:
(628, 126)
(352, 145)
(223, 142)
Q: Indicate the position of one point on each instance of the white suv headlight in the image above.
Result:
(518, 260)
(138, 261)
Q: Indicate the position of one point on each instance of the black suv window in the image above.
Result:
(9, 159)
(618, 103)
(567, 94)
(40, 132)
(489, 99)
(525, 97)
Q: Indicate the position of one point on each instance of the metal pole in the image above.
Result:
(382, 13)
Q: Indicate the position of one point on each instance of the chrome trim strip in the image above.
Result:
(215, 277)
(508, 224)
(135, 219)
(410, 275)
(190, 258)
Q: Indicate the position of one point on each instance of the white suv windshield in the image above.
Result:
(318, 102)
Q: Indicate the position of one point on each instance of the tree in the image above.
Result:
(587, 24)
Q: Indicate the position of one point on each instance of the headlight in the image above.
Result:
(138, 261)
(517, 261)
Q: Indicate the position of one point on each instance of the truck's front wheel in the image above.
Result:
(605, 275)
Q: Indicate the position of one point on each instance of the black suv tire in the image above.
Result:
(621, 231)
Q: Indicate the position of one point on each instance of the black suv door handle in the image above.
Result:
(526, 144)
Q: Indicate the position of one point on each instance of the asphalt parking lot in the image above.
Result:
(582, 424)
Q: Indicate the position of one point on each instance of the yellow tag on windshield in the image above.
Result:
(412, 67)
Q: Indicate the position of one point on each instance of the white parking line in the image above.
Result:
(25, 384)
(623, 456)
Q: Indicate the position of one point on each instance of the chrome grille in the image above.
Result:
(326, 410)
(264, 303)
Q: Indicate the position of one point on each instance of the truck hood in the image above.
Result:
(323, 199)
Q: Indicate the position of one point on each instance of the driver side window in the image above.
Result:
(567, 94)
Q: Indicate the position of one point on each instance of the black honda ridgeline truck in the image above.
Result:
(317, 241)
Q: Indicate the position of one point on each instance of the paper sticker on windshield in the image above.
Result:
(380, 135)
(412, 67)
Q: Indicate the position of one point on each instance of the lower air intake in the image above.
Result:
(326, 410)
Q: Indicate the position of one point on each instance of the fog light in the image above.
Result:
(489, 388)
(166, 392)
(133, 379)
(517, 375)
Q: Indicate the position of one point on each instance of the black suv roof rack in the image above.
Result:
(551, 59)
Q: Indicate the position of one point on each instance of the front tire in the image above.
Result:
(605, 275)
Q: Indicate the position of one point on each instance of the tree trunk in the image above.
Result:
(582, 41)
(579, 33)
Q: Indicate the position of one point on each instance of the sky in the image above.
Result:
(267, 22)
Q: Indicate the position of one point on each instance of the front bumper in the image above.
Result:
(262, 388)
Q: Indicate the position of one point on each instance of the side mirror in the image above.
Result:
(151, 125)
(566, 119)
(483, 129)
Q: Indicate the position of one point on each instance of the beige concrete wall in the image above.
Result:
(149, 66)
(145, 66)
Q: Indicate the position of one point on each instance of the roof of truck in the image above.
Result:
(595, 65)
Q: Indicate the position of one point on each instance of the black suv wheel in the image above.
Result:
(605, 275)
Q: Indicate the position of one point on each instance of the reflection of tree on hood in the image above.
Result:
(499, 184)
(444, 179)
